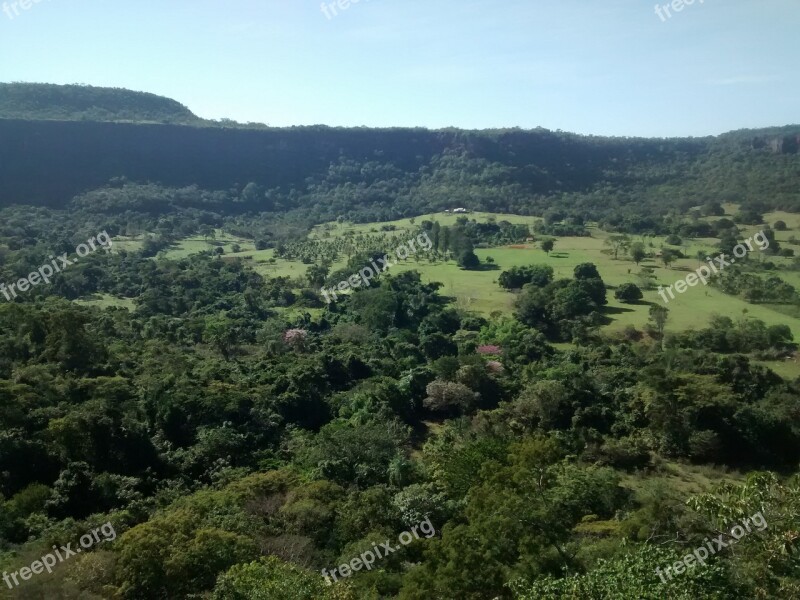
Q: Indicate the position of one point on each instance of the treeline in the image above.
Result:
(374, 175)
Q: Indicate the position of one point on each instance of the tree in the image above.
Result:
(668, 256)
(570, 302)
(617, 243)
(768, 553)
(252, 193)
(631, 575)
(516, 277)
(638, 252)
(647, 278)
(628, 293)
(594, 287)
(547, 246)
(220, 332)
(317, 274)
(449, 396)
(444, 242)
(586, 271)
(587, 278)
(468, 260)
(435, 345)
(713, 209)
(75, 492)
(531, 501)
(436, 230)
(270, 578)
(780, 226)
(749, 215)
(551, 404)
(208, 232)
(352, 453)
(553, 216)
(658, 315)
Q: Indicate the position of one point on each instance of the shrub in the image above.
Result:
(628, 293)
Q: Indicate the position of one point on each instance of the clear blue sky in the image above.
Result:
(610, 67)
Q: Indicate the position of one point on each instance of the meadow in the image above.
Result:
(478, 291)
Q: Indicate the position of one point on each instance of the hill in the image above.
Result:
(59, 144)
(40, 101)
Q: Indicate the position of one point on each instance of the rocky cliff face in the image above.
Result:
(788, 144)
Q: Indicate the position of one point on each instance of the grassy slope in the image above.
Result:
(478, 290)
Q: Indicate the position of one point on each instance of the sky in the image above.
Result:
(604, 67)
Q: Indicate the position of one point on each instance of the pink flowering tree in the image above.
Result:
(494, 367)
(295, 338)
(489, 350)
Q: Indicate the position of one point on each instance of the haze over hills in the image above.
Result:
(60, 141)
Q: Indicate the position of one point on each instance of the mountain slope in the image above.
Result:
(40, 101)
(372, 174)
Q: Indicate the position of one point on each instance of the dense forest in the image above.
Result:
(245, 440)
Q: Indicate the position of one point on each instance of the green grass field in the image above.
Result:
(478, 290)
(107, 301)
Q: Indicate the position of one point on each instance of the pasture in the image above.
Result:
(478, 291)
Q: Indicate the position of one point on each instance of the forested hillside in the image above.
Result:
(368, 175)
(39, 101)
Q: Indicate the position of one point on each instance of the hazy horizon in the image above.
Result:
(618, 69)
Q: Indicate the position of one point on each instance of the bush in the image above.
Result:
(628, 293)
(469, 260)
(625, 453)
(631, 334)
(517, 277)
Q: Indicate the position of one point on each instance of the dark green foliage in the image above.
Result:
(468, 260)
(556, 307)
(628, 293)
(274, 579)
(632, 576)
(517, 277)
(586, 271)
(84, 102)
